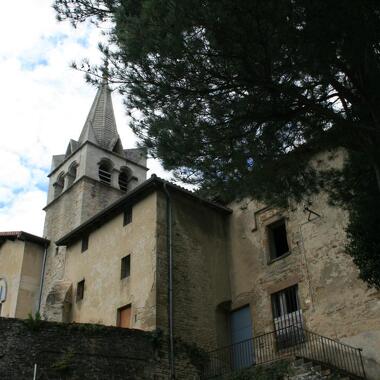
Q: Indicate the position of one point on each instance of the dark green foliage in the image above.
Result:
(238, 96)
(65, 363)
(34, 323)
(356, 190)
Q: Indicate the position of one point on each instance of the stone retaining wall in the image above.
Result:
(84, 351)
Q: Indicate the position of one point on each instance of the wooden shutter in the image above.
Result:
(124, 317)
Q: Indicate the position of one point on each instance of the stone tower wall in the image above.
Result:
(82, 200)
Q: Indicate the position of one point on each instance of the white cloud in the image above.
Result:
(44, 103)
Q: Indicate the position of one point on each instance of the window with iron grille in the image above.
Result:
(285, 301)
(127, 216)
(278, 241)
(287, 317)
(80, 290)
(125, 266)
(85, 243)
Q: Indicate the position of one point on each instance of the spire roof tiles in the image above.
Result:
(100, 126)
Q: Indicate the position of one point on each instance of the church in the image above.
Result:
(122, 250)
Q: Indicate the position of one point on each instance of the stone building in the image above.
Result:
(144, 253)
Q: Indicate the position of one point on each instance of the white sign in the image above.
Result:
(3, 290)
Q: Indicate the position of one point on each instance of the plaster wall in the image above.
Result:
(11, 257)
(200, 271)
(20, 265)
(100, 267)
(30, 280)
(334, 302)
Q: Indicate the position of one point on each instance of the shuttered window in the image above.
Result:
(124, 316)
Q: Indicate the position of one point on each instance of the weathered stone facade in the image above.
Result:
(334, 302)
(200, 271)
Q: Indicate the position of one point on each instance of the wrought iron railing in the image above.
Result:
(291, 341)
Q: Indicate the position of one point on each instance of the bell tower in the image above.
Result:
(94, 172)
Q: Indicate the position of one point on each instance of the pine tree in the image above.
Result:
(238, 96)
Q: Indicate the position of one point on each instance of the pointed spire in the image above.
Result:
(100, 126)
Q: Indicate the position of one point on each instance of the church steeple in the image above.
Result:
(100, 126)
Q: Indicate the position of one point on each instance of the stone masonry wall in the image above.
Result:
(334, 301)
(200, 271)
(82, 351)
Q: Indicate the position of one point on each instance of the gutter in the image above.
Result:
(169, 250)
(42, 278)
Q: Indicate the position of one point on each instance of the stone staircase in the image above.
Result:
(304, 369)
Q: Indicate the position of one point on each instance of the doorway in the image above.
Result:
(243, 354)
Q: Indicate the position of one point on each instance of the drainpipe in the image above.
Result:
(42, 277)
(169, 250)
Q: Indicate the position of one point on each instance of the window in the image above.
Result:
(59, 184)
(278, 241)
(285, 301)
(72, 173)
(124, 316)
(105, 169)
(127, 216)
(124, 177)
(287, 317)
(125, 266)
(85, 243)
(80, 290)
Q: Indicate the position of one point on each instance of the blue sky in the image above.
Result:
(44, 103)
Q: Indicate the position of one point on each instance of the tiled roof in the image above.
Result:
(21, 235)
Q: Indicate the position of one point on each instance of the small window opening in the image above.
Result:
(85, 243)
(80, 290)
(127, 216)
(124, 316)
(105, 169)
(123, 180)
(59, 184)
(278, 241)
(71, 174)
(125, 266)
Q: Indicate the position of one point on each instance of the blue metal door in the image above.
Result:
(243, 355)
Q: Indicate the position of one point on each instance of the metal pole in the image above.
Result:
(35, 372)
(362, 363)
(42, 279)
(170, 267)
